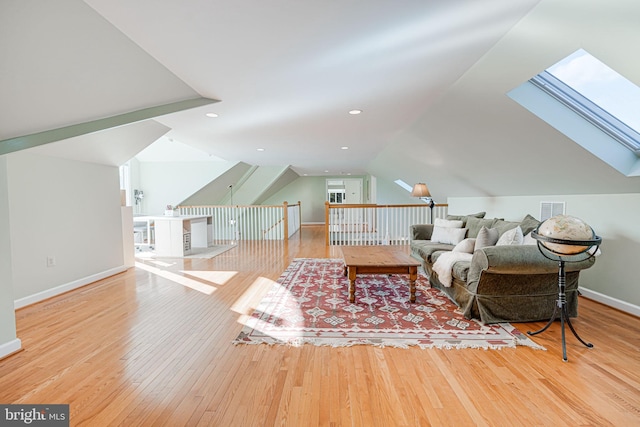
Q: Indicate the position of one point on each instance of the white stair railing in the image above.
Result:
(255, 222)
(376, 224)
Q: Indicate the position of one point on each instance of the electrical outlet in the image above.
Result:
(51, 261)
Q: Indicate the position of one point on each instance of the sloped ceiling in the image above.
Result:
(476, 141)
(431, 78)
(112, 147)
(63, 64)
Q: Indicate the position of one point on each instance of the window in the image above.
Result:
(598, 94)
(336, 196)
(404, 185)
(125, 181)
(591, 104)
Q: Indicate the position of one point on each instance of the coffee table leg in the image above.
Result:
(413, 276)
(352, 284)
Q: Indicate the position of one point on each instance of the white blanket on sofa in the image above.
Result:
(444, 265)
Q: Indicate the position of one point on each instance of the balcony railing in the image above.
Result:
(255, 222)
(376, 224)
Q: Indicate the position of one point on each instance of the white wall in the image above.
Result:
(250, 190)
(169, 183)
(8, 340)
(311, 191)
(614, 217)
(390, 193)
(67, 210)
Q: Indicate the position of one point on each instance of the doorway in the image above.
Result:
(344, 191)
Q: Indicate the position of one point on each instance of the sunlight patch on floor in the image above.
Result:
(249, 300)
(176, 278)
(161, 263)
(255, 298)
(216, 277)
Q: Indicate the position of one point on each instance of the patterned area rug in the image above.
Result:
(309, 304)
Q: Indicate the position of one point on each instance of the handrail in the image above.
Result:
(371, 224)
(273, 227)
(249, 222)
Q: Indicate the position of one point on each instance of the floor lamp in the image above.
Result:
(421, 191)
(232, 221)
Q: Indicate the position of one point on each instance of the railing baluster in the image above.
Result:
(248, 222)
(376, 224)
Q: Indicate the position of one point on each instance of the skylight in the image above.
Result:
(591, 104)
(598, 93)
(403, 184)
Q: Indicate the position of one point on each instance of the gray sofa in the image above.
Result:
(508, 283)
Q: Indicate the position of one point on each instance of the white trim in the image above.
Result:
(41, 296)
(10, 347)
(611, 302)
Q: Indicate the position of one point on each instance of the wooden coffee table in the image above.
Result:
(379, 260)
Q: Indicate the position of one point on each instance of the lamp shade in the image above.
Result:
(420, 190)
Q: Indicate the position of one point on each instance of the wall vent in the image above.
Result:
(549, 209)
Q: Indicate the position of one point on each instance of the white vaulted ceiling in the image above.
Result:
(430, 77)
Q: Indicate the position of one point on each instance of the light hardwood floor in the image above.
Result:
(152, 346)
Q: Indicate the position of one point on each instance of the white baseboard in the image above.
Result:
(10, 347)
(41, 296)
(610, 301)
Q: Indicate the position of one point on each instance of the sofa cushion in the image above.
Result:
(449, 235)
(426, 248)
(421, 231)
(464, 218)
(461, 270)
(486, 237)
(475, 224)
(511, 237)
(436, 254)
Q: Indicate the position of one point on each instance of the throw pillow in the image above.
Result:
(528, 224)
(449, 223)
(448, 235)
(486, 237)
(466, 246)
(475, 224)
(528, 240)
(511, 237)
(504, 226)
(464, 218)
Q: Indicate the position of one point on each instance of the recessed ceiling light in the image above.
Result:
(344, 148)
(211, 115)
(260, 149)
(354, 112)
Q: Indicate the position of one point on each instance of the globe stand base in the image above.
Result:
(561, 307)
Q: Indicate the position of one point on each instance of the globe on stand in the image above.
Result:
(565, 238)
(565, 227)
